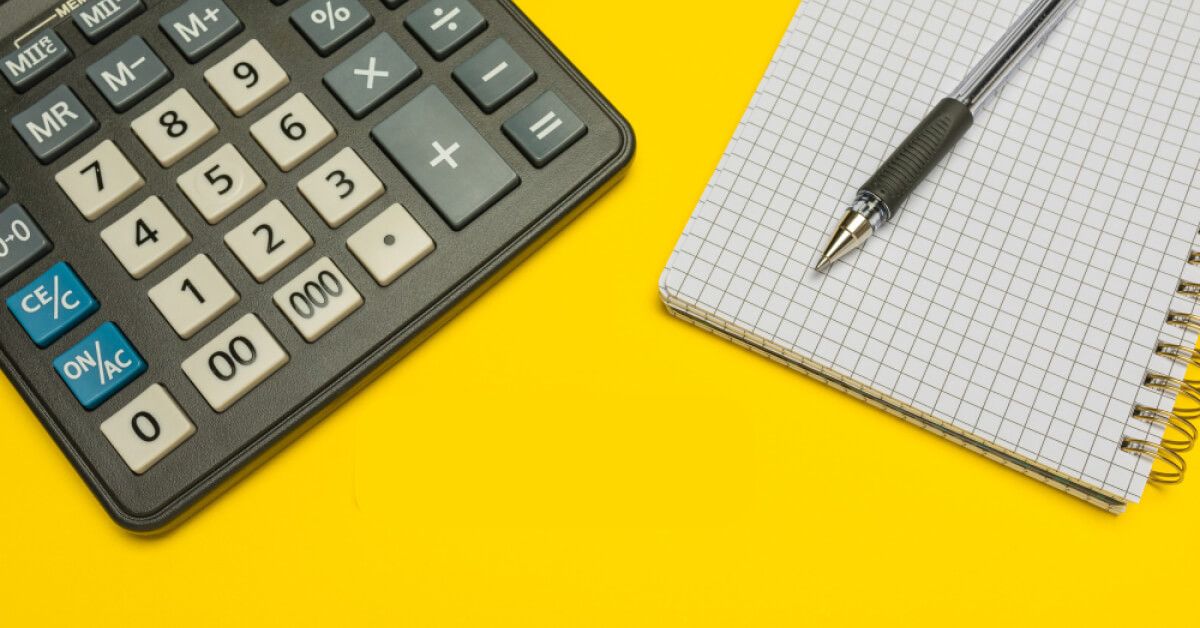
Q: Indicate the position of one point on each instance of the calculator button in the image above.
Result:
(147, 429)
(372, 75)
(341, 188)
(21, 242)
(128, 74)
(545, 129)
(246, 78)
(174, 128)
(318, 299)
(268, 241)
(100, 366)
(293, 132)
(390, 244)
(445, 157)
(55, 125)
(52, 305)
(200, 27)
(193, 296)
(494, 76)
(102, 18)
(43, 54)
(100, 180)
(146, 237)
(329, 24)
(220, 184)
(235, 362)
(444, 26)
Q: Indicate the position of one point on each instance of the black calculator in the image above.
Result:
(218, 218)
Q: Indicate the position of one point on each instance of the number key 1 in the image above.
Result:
(246, 78)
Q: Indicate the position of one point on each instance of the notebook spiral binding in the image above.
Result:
(1180, 430)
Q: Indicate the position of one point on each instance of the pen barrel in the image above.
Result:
(924, 149)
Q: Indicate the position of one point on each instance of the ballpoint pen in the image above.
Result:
(879, 200)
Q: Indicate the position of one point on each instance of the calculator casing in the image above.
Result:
(465, 263)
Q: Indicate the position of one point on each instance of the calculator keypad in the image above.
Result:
(341, 187)
(147, 429)
(194, 296)
(235, 362)
(246, 78)
(293, 132)
(318, 299)
(174, 128)
(100, 180)
(145, 237)
(275, 238)
(268, 241)
(221, 183)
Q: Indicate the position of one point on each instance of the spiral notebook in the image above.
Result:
(1032, 299)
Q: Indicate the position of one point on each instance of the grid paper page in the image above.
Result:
(1021, 291)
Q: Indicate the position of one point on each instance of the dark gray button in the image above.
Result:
(444, 26)
(128, 74)
(495, 75)
(21, 242)
(445, 157)
(200, 27)
(99, 19)
(372, 75)
(545, 129)
(55, 124)
(41, 55)
(329, 24)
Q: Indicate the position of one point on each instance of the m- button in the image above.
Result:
(445, 157)
(55, 125)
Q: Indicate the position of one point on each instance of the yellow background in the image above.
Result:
(607, 465)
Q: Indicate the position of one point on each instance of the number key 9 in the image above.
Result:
(246, 78)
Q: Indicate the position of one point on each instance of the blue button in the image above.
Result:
(100, 366)
(53, 304)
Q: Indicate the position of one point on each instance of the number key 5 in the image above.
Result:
(246, 78)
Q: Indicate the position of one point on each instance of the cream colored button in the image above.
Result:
(99, 180)
(193, 296)
(268, 241)
(318, 299)
(145, 237)
(148, 429)
(390, 244)
(293, 132)
(220, 184)
(174, 128)
(341, 188)
(235, 362)
(246, 78)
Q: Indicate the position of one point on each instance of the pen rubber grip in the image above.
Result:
(924, 148)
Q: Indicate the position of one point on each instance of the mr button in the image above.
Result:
(52, 305)
(55, 125)
(100, 366)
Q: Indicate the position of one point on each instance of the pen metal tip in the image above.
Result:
(850, 235)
